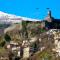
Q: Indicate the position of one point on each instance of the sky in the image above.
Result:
(31, 8)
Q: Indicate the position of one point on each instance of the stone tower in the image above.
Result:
(49, 17)
(26, 49)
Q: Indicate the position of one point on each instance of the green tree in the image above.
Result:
(7, 37)
(24, 29)
(2, 41)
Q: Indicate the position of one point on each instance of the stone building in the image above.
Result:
(13, 49)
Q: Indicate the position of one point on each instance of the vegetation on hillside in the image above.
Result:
(44, 55)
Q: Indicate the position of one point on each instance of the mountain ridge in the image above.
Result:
(6, 16)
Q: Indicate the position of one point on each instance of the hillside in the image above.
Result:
(19, 29)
